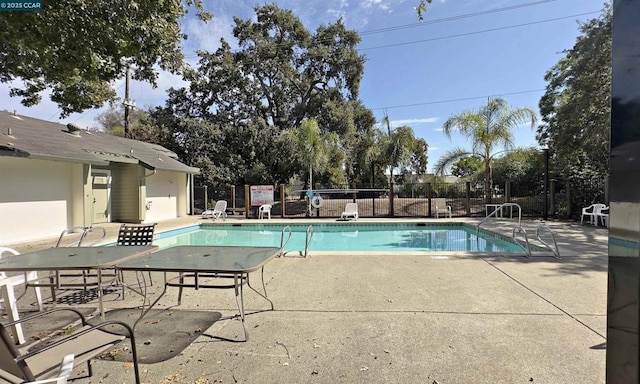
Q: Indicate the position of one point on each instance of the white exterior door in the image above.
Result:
(101, 184)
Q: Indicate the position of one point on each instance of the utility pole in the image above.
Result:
(128, 104)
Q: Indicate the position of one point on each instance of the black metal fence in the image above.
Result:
(200, 202)
(205, 198)
(396, 200)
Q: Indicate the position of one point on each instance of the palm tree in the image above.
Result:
(309, 147)
(489, 128)
(399, 146)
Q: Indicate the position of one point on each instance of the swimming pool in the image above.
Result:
(341, 237)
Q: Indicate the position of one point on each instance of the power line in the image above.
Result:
(477, 32)
(452, 18)
(448, 19)
(454, 100)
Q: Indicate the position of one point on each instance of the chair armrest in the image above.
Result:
(75, 335)
(50, 311)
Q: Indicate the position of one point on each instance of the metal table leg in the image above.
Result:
(237, 282)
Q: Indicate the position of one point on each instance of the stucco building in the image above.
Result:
(54, 176)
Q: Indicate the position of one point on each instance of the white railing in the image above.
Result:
(525, 246)
(283, 242)
(554, 250)
(499, 209)
(308, 239)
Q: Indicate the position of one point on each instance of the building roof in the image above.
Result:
(24, 136)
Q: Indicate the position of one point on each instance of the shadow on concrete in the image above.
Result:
(568, 265)
(80, 296)
(160, 335)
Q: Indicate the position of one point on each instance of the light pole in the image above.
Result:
(310, 189)
(545, 210)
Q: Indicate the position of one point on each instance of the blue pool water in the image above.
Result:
(345, 237)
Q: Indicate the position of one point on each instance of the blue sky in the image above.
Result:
(419, 73)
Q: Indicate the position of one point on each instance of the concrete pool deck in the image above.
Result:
(399, 318)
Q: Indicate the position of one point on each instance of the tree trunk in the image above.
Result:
(488, 182)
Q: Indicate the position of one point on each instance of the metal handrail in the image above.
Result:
(495, 212)
(54, 283)
(89, 230)
(284, 243)
(554, 250)
(72, 230)
(308, 239)
(85, 231)
(515, 230)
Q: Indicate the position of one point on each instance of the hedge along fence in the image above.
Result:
(395, 200)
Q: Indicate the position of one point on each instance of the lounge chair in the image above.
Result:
(592, 212)
(85, 343)
(136, 234)
(439, 205)
(7, 285)
(220, 209)
(350, 210)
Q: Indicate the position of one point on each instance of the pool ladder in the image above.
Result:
(283, 242)
(521, 231)
(527, 248)
(307, 240)
(286, 232)
(554, 249)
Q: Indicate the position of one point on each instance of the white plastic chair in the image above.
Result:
(66, 369)
(264, 209)
(7, 285)
(350, 210)
(441, 206)
(603, 216)
(219, 210)
(592, 212)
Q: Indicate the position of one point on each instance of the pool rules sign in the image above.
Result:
(261, 194)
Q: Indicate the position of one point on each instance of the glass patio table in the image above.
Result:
(74, 258)
(197, 265)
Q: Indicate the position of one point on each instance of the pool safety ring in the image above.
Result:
(316, 202)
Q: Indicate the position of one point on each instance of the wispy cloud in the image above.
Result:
(206, 36)
(355, 14)
(426, 120)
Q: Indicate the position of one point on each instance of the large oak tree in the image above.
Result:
(77, 48)
(279, 76)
